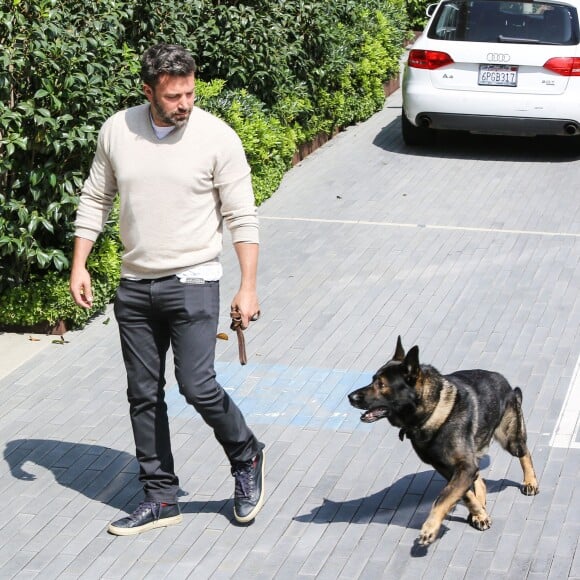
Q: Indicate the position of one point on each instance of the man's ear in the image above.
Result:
(399, 351)
(148, 91)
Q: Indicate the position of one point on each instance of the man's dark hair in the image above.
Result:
(165, 59)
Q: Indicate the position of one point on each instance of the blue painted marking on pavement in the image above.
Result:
(313, 398)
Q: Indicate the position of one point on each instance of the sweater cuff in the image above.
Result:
(86, 234)
(246, 234)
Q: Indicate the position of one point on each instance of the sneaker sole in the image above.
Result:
(146, 527)
(254, 512)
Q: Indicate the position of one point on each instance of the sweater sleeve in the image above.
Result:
(233, 180)
(98, 191)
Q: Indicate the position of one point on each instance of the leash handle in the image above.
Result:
(236, 325)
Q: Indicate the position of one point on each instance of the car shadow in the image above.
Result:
(462, 145)
(406, 503)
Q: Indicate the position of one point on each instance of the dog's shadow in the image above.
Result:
(100, 473)
(405, 503)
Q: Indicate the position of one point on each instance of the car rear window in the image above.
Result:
(495, 21)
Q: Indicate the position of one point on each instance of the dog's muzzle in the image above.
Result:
(375, 414)
(357, 400)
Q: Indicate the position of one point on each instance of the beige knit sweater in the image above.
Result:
(175, 193)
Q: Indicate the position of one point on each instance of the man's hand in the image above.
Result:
(245, 303)
(80, 288)
(80, 279)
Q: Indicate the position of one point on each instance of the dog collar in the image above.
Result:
(442, 411)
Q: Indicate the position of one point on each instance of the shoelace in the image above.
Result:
(245, 483)
(145, 506)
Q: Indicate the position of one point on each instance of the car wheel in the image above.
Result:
(415, 136)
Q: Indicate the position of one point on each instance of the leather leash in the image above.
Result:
(237, 326)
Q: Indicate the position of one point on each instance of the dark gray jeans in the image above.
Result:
(152, 315)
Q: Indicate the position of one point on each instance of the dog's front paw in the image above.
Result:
(429, 532)
(481, 522)
(530, 488)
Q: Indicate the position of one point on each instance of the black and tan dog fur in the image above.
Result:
(450, 421)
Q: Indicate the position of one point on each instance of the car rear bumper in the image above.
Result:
(497, 125)
(501, 112)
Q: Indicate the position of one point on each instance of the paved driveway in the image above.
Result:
(469, 249)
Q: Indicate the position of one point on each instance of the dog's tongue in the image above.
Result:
(374, 415)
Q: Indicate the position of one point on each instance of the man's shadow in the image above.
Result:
(405, 503)
(100, 473)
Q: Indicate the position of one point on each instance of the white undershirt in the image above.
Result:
(160, 131)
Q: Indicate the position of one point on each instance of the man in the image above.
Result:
(181, 173)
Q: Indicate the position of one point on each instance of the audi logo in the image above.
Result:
(498, 57)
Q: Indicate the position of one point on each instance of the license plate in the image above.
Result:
(498, 75)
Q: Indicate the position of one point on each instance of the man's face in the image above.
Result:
(171, 100)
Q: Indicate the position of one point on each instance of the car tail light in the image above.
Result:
(429, 59)
(567, 66)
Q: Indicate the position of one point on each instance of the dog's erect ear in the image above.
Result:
(399, 351)
(411, 363)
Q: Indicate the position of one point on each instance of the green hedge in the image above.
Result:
(416, 13)
(279, 74)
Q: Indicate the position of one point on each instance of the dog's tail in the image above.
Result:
(518, 441)
(511, 432)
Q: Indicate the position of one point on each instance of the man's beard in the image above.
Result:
(170, 118)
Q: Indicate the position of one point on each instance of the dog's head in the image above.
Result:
(392, 393)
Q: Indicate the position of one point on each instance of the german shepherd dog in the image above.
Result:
(450, 420)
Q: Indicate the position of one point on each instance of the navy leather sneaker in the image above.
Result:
(249, 490)
(147, 516)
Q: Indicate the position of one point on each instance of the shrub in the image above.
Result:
(47, 299)
(296, 57)
(416, 12)
(62, 72)
(268, 143)
(372, 44)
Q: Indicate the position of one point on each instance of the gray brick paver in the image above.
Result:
(544, 556)
(162, 565)
(560, 568)
(15, 565)
(129, 563)
(504, 553)
(54, 570)
(92, 561)
(520, 566)
(575, 568)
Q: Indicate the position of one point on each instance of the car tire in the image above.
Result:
(415, 136)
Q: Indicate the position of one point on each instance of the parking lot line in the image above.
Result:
(426, 226)
(568, 424)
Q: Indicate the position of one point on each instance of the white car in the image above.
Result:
(488, 66)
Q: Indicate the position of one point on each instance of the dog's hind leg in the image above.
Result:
(530, 485)
(511, 435)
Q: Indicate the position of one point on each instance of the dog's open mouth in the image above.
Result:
(373, 415)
